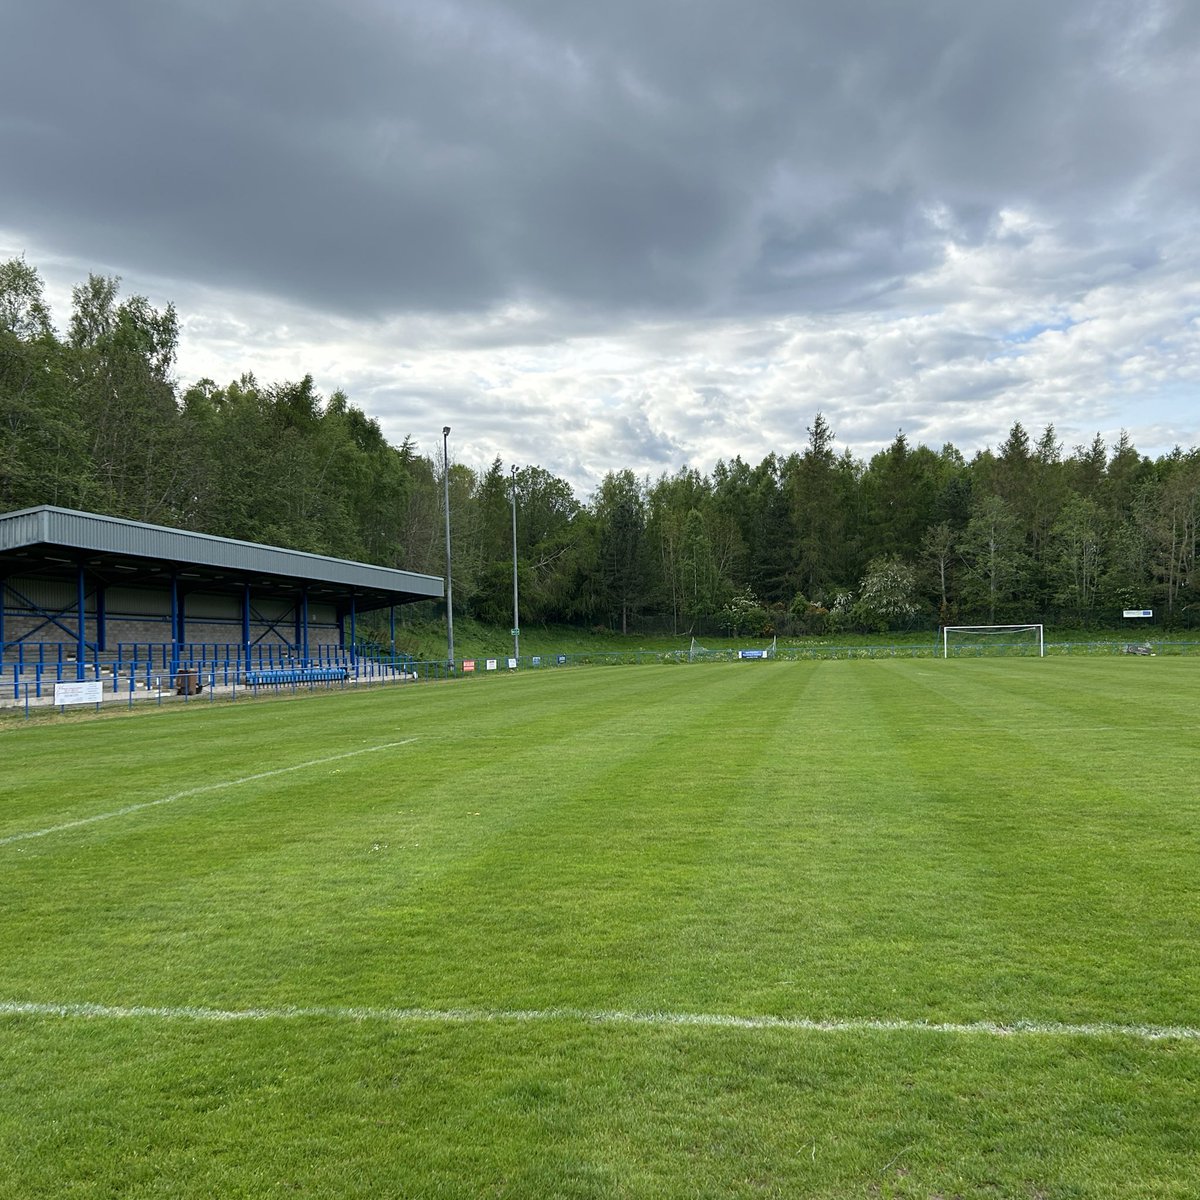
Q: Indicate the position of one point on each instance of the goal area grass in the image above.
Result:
(888, 928)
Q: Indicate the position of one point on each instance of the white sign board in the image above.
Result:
(490, 664)
(79, 693)
(1138, 612)
(512, 664)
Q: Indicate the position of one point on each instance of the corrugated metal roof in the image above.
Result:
(48, 526)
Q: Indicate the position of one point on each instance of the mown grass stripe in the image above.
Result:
(187, 793)
(477, 1016)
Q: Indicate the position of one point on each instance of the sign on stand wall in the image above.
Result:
(79, 693)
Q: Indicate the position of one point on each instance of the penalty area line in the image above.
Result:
(187, 793)
(473, 1016)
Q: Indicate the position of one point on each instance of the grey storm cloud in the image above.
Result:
(636, 234)
(666, 158)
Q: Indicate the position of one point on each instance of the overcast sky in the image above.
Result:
(636, 234)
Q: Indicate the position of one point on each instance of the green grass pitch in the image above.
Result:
(837, 929)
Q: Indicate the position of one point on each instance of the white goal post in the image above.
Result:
(1003, 639)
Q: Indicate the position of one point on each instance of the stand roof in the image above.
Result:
(47, 540)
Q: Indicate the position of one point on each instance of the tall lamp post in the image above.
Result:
(449, 582)
(516, 617)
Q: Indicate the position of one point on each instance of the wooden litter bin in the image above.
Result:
(187, 682)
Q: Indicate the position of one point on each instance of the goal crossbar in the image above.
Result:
(990, 631)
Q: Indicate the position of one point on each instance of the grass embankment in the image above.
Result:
(529, 863)
(425, 639)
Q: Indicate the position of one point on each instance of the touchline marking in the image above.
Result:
(196, 791)
(478, 1016)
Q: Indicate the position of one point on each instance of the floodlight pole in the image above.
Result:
(516, 619)
(449, 582)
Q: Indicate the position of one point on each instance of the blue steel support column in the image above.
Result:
(101, 619)
(353, 631)
(393, 624)
(81, 645)
(246, 622)
(3, 602)
(174, 626)
(304, 623)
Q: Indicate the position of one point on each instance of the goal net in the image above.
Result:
(962, 641)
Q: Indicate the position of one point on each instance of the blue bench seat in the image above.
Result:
(286, 675)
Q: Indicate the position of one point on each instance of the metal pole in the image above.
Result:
(81, 641)
(246, 622)
(449, 583)
(304, 624)
(516, 617)
(174, 628)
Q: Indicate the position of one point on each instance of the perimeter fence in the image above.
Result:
(203, 674)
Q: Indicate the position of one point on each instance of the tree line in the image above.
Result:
(808, 540)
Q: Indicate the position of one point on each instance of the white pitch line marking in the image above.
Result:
(196, 791)
(474, 1016)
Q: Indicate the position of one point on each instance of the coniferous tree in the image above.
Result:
(621, 520)
(818, 516)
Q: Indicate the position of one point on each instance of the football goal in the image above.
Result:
(960, 641)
